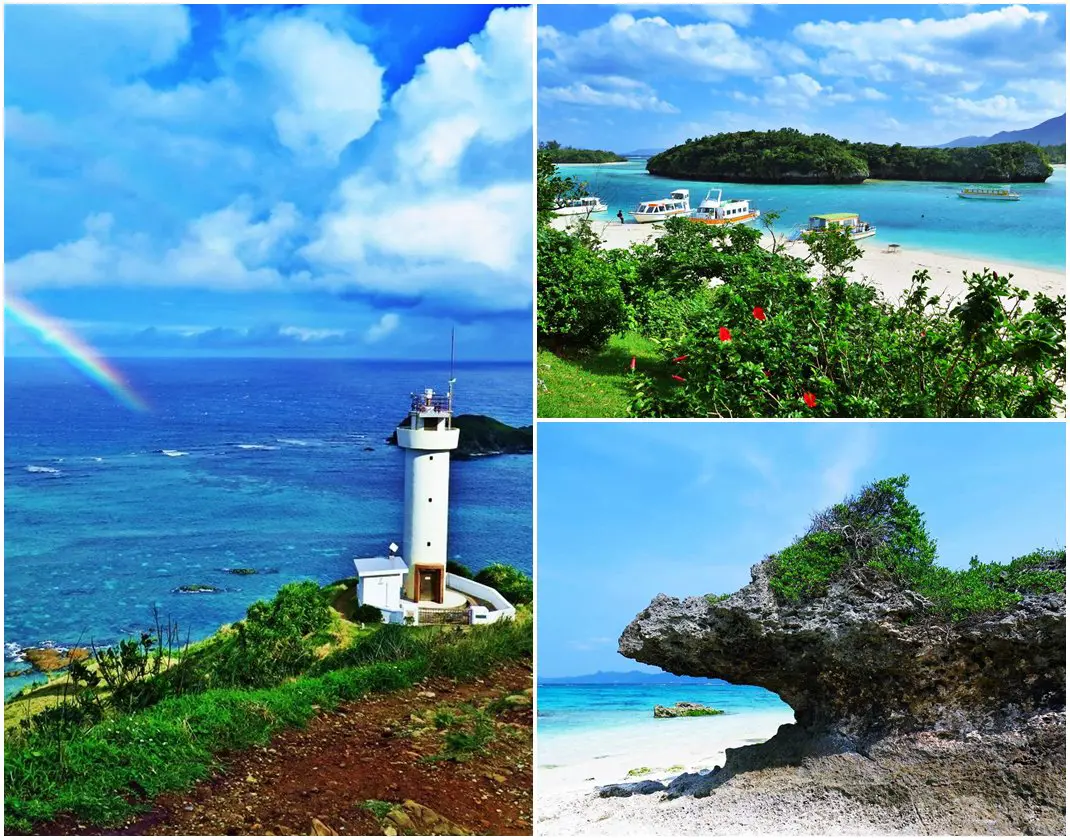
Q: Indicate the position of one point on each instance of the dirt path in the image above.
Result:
(347, 764)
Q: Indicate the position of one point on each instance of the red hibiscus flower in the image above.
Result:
(759, 313)
(810, 399)
(633, 362)
(678, 378)
(724, 334)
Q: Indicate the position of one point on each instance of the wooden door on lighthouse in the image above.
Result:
(430, 585)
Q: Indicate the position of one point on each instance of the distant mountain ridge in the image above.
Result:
(1048, 133)
(627, 678)
(643, 152)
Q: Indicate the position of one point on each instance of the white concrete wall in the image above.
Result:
(501, 607)
(382, 591)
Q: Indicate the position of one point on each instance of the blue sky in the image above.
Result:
(258, 180)
(628, 510)
(639, 76)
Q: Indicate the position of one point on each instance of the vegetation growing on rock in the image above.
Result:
(787, 156)
(881, 530)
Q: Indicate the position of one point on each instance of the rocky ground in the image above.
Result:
(378, 766)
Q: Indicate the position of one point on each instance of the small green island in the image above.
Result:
(567, 154)
(787, 156)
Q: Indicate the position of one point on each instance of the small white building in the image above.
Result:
(415, 588)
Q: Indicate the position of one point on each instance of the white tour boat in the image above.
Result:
(581, 206)
(714, 211)
(858, 229)
(990, 193)
(678, 204)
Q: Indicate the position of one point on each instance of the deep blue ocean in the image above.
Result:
(275, 465)
(917, 214)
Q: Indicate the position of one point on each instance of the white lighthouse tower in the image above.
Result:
(427, 439)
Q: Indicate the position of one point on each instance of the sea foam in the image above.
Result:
(33, 468)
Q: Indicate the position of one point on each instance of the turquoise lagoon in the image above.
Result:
(916, 214)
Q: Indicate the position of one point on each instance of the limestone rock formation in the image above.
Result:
(963, 719)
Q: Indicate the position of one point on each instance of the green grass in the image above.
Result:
(595, 385)
(106, 772)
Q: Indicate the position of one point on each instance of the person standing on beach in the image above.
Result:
(620, 215)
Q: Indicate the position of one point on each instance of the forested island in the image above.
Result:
(567, 154)
(788, 156)
(1056, 154)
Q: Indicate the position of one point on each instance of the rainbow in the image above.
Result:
(81, 356)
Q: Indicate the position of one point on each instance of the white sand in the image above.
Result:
(572, 767)
(891, 273)
(667, 748)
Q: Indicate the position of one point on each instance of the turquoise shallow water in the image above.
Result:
(276, 465)
(923, 215)
(567, 711)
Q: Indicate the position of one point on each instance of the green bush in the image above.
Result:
(580, 303)
(880, 532)
(511, 583)
(769, 340)
(455, 568)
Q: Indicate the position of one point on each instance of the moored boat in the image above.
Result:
(990, 193)
(677, 204)
(581, 206)
(714, 211)
(849, 221)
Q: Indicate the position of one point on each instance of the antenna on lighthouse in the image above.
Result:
(453, 332)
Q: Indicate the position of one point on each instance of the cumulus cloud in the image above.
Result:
(382, 328)
(330, 89)
(652, 45)
(231, 248)
(478, 90)
(193, 184)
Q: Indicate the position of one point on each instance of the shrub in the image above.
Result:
(771, 341)
(455, 568)
(512, 584)
(580, 303)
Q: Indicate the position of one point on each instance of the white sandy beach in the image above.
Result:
(572, 768)
(666, 748)
(889, 272)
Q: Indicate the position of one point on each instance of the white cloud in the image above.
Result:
(652, 45)
(939, 49)
(740, 14)
(610, 92)
(382, 328)
(331, 89)
(993, 110)
(230, 248)
(487, 228)
(478, 90)
(312, 334)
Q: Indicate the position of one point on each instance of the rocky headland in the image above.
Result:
(944, 721)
